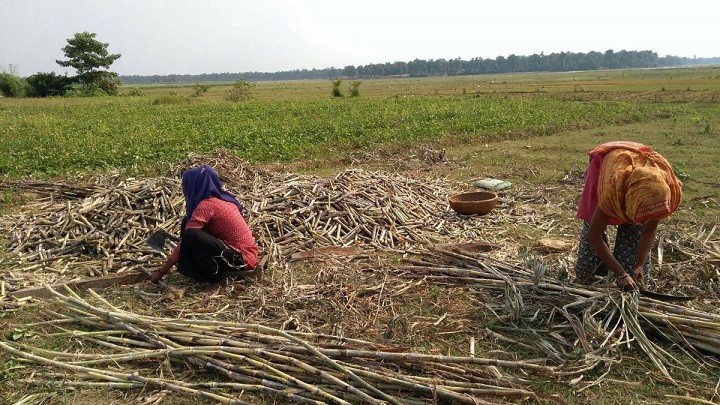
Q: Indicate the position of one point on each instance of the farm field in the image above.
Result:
(695, 82)
(407, 142)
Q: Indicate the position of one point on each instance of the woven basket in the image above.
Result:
(479, 202)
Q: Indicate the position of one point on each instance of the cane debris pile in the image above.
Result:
(294, 336)
(596, 320)
(57, 238)
(102, 228)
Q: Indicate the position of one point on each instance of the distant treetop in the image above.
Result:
(88, 55)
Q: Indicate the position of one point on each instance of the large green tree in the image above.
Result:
(88, 55)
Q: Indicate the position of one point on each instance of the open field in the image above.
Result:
(430, 136)
(695, 82)
(131, 132)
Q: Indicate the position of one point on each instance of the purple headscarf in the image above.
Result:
(203, 182)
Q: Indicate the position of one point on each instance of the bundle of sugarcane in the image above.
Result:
(691, 247)
(596, 319)
(301, 367)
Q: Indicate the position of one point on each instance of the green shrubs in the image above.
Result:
(12, 86)
(48, 85)
(200, 89)
(336, 92)
(135, 92)
(355, 88)
(241, 91)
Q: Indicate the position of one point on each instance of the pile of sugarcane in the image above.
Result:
(696, 248)
(354, 207)
(63, 190)
(291, 212)
(598, 320)
(60, 236)
(117, 348)
(103, 232)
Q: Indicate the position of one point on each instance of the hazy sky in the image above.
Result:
(214, 36)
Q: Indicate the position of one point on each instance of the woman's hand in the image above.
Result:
(647, 238)
(596, 229)
(626, 283)
(160, 273)
(637, 275)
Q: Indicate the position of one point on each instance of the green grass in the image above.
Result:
(56, 136)
(299, 119)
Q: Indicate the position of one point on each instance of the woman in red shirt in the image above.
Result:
(215, 239)
(629, 185)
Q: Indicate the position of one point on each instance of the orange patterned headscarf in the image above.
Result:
(636, 184)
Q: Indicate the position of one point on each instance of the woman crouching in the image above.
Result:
(215, 240)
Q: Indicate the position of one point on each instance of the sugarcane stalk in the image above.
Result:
(674, 319)
(231, 371)
(82, 384)
(119, 377)
(203, 354)
(317, 372)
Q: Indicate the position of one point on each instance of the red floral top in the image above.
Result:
(222, 220)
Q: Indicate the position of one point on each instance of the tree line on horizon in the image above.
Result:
(554, 62)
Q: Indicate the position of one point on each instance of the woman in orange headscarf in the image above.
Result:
(629, 185)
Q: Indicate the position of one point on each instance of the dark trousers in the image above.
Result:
(625, 251)
(205, 258)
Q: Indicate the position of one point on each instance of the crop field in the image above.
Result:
(391, 313)
(133, 132)
(696, 83)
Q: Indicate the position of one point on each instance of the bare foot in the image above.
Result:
(214, 288)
